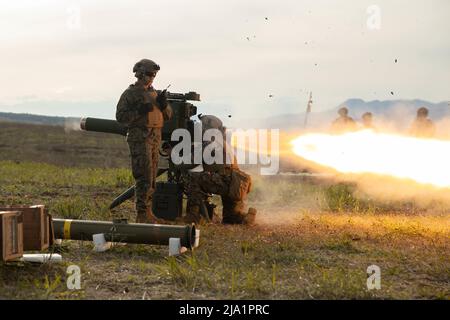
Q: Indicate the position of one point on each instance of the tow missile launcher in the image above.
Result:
(168, 196)
(182, 112)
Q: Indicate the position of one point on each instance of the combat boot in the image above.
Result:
(250, 217)
(246, 218)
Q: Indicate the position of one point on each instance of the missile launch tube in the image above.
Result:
(103, 125)
(157, 234)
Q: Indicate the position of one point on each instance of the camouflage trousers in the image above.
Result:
(200, 184)
(144, 166)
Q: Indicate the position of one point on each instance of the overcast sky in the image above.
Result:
(74, 58)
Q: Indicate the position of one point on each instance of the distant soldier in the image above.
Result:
(143, 110)
(226, 180)
(367, 121)
(343, 123)
(422, 127)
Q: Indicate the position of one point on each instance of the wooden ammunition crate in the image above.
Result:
(11, 235)
(51, 230)
(36, 233)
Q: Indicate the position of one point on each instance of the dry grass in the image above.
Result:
(310, 242)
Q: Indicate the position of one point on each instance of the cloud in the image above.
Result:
(319, 46)
(102, 109)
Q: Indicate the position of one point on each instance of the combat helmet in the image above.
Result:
(422, 112)
(367, 115)
(145, 66)
(343, 111)
(211, 122)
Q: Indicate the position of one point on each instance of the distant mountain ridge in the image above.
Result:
(34, 119)
(399, 112)
(387, 108)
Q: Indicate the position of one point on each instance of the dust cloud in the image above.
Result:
(71, 124)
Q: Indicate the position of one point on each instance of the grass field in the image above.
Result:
(313, 239)
(62, 146)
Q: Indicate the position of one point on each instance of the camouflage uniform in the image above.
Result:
(144, 139)
(367, 121)
(226, 180)
(200, 184)
(343, 124)
(422, 128)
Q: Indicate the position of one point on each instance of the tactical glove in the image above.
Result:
(145, 108)
(162, 100)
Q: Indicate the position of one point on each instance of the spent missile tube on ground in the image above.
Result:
(122, 231)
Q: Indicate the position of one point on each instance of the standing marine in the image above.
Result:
(422, 126)
(143, 110)
(367, 121)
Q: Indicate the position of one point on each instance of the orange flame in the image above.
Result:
(425, 161)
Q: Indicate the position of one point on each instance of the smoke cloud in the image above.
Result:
(72, 124)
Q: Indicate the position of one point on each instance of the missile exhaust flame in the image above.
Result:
(425, 161)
